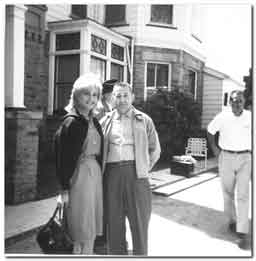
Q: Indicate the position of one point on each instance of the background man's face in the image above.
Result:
(109, 98)
(237, 103)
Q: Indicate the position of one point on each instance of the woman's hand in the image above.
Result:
(63, 198)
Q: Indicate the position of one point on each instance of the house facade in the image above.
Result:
(48, 46)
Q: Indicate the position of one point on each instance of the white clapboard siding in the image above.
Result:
(58, 12)
(96, 12)
(178, 37)
(63, 11)
(212, 98)
(132, 20)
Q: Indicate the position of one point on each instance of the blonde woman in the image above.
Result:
(79, 149)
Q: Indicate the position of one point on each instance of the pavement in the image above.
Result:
(190, 223)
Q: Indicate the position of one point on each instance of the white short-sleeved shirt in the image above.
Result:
(235, 131)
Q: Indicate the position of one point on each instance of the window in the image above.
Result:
(162, 14)
(190, 79)
(225, 99)
(67, 67)
(78, 11)
(69, 41)
(117, 52)
(115, 14)
(66, 72)
(117, 71)
(100, 58)
(98, 45)
(157, 75)
(98, 66)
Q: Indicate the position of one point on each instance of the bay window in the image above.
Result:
(81, 46)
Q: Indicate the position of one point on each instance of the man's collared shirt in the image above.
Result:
(121, 138)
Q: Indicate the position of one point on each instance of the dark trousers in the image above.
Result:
(127, 196)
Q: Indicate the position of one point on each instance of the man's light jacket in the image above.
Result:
(146, 142)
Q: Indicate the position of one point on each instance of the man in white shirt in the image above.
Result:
(234, 151)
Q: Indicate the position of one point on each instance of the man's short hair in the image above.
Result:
(234, 94)
(124, 85)
(108, 86)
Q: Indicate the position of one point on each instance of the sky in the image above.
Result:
(228, 38)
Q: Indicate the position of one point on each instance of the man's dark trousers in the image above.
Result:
(127, 196)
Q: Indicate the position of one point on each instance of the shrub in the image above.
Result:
(176, 116)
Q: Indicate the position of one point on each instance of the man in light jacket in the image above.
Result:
(131, 149)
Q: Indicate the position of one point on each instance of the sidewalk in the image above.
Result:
(190, 223)
(28, 216)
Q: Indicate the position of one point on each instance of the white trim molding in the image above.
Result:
(14, 55)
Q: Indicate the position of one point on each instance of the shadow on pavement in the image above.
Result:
(208, 220)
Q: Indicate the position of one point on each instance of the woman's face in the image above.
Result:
(87, 99)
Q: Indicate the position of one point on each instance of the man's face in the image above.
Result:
(237, 103)
(123, 98)
(109, 98)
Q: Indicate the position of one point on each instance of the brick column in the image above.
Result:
(21, 155)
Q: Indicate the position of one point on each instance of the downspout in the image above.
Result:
(132, 55)
(130, 59)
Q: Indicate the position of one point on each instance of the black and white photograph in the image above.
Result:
(128, 129)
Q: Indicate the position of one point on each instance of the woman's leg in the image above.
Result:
(87, 247)
(77, 249)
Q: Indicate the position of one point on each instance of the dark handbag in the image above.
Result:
(53, 237)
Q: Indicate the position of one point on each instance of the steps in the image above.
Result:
(181, 184)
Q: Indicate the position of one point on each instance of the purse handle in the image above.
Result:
(58, 211)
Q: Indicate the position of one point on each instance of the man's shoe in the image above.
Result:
(232, 227)
(244, 241)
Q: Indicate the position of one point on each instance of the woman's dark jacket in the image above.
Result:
(68, 143)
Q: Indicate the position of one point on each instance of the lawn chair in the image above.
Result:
(197, 147)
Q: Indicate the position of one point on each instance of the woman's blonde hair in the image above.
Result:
(83, 83)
